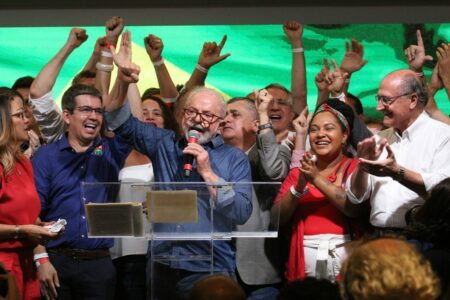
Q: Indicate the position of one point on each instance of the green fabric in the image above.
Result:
(260, 54)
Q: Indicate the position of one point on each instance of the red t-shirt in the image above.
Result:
(314, 215)
(19, 200)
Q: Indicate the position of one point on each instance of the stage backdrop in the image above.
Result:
(260, 54)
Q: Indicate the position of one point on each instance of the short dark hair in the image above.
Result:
(358, 105)
(68, 99)
(278, 87)
(22, 82)
(83, 74)
(151, 92)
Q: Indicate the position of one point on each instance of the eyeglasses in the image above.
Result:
(87, 110)
(205, 117)
(19, 114)
(385, 100)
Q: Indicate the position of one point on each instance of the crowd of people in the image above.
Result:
(362, 207)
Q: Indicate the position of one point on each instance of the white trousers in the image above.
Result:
(324, 254)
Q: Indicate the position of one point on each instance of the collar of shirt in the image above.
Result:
(64, 144)
(414, 129)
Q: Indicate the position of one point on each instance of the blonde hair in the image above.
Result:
(388, 269)
(9, 152)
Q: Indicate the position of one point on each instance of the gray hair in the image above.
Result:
(412, 84)
(214, 93)
(249, 106)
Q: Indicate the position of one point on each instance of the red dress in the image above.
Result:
(19, 205)
(314, 215)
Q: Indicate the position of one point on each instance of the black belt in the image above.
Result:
(81, 254)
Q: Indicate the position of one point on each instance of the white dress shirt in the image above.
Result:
(423, 148)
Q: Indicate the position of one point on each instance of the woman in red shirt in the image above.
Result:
(312, 199)
(19, 201)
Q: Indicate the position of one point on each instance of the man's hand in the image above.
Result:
(381, 168)
(294, 32)
(77, 37)
(49, 280)
(443, 55)
(435, 80)
(263, 99)
(301, 123)
(154, 47)
(369, 150)
(113, 28)
(210, 54)
(202, 159)
(335, 79)
(353, 58)
(321, 84)
(416, 54)
(124, 55)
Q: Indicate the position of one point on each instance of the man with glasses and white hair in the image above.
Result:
(402, 164)
(215, 163)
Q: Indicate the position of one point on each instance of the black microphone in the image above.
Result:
(193, 136)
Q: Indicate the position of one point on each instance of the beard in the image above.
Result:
(204, 135)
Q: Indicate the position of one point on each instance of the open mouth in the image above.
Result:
(275, 117)
(90, 127)
(197, 128)
(322, 143)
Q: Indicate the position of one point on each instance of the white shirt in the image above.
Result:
(423, 148)
(139, 174)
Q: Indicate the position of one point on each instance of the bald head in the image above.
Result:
(407, 82)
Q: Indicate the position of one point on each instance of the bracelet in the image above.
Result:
(347, 80)
(106, 54)
(41, 261)
(400, 175)
(298, 50)
(420, 74)
(40, 255)
(265, 126)
(158, 63)
(201, 68)
(17, 232)
(296, 193)
(104, 67)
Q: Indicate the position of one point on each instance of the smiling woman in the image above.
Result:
(312, 199)
(19, 201)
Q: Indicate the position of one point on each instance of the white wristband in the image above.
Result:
(106, 54)
(104, 67)
(297, 50)
(158, 63)
(201, 68)
(296, 193)
(40, 255)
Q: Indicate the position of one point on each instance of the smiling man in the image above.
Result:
(400, 166)
(79, 267)
(215, 163)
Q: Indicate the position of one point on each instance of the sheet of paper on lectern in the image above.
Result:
(115, 219)
(172, 206)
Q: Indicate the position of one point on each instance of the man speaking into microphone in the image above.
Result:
(213, 163)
